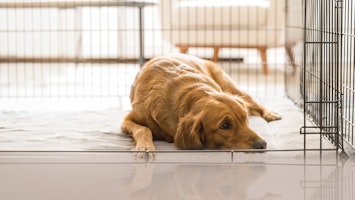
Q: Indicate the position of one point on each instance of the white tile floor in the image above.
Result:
(260, 176)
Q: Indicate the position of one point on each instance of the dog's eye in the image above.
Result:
(225, 126)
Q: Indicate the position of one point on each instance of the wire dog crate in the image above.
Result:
(53, 51)
(65, 73)
(326, 76)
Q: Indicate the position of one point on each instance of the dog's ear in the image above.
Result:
(246, 106)
(189, 134)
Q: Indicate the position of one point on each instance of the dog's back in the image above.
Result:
(159, 91)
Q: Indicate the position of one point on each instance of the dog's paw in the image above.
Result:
(144, 151)
(271, 116)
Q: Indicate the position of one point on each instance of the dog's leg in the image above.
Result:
(259, 110)
(256, 109)
(141, 135)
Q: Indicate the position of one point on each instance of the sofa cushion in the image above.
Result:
(219, 14)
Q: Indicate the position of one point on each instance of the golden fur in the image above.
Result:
(193, 103)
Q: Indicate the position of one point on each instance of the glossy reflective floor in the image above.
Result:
(209, 175)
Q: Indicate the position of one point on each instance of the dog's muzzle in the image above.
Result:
(259, 144)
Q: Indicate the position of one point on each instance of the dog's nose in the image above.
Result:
(259, 144)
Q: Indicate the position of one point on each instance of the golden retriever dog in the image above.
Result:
(194, 104)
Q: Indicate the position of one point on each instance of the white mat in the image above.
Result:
(100, 130)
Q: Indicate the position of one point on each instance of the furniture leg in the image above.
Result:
(215, 54)
(291, 56)
(262, 51)
(183, 49)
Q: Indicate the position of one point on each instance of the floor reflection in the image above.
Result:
(309, 179)
(192, 181)
(109, 176)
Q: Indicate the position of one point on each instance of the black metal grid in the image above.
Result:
(347, 74)
(319, 74)
(325, 72)
(41, 39)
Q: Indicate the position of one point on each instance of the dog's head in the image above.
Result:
(220, 122)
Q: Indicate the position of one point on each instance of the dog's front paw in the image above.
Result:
(271, 116)
(144, 151)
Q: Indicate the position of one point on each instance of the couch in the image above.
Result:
(216, 24)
